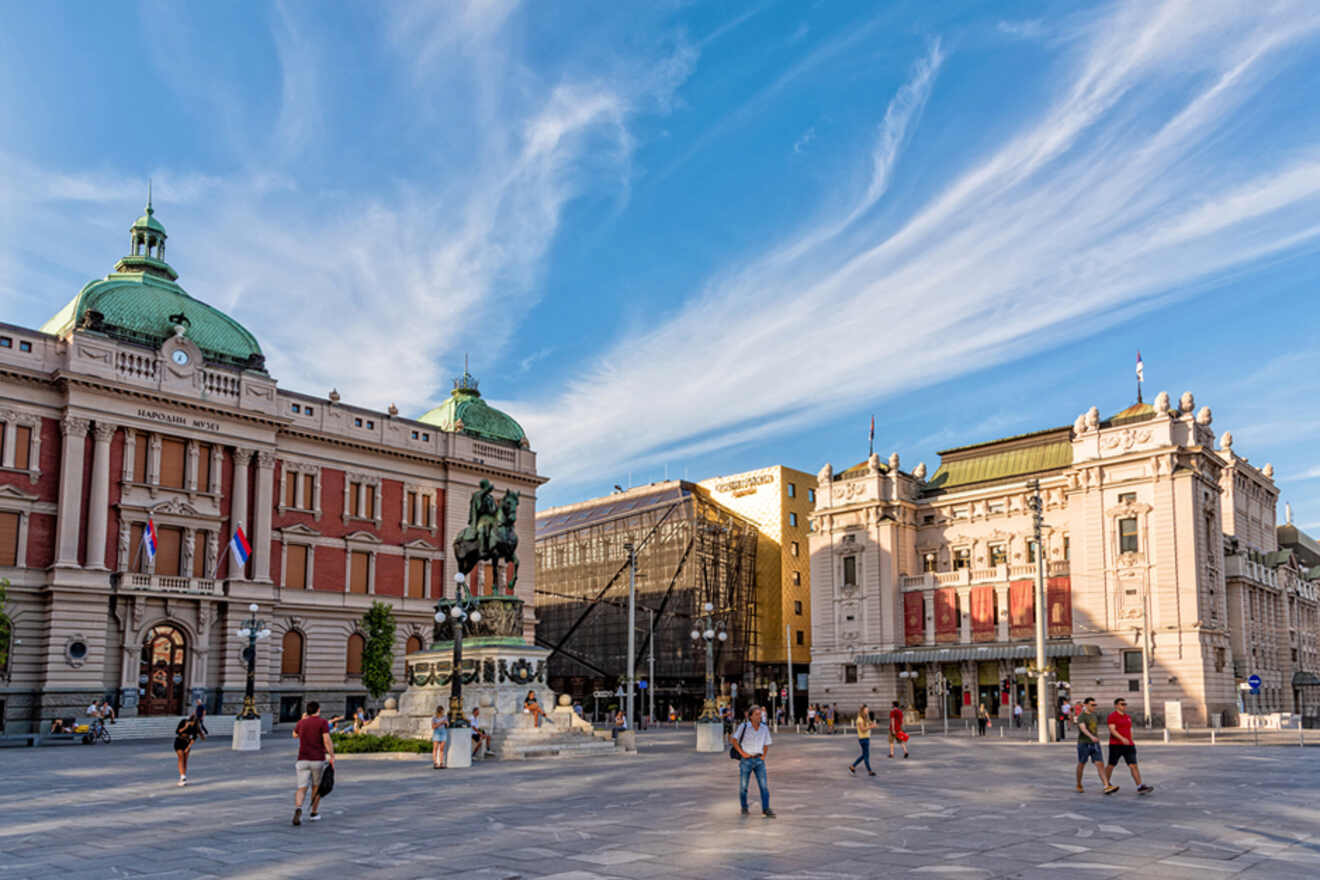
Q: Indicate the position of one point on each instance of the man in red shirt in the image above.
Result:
(1122, 746)
(315, 751)
(896, 734)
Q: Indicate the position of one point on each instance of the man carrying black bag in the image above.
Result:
(316, 760)
(750, 744)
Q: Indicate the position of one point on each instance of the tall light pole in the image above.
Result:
(463, 609)
(632, 629)
(1037, 523)
(251, 629)
(788, 649)
(711, 631)
(650, 665)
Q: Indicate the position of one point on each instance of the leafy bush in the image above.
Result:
(360, 743)
(378, 653)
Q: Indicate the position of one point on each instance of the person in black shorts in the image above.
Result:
(1122, 747)
(184, 735)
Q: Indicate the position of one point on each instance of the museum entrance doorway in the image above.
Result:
(160, 674)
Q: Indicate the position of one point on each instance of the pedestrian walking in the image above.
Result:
(1017, 714)
(751, 744)
(199, 712)
(811, 718)
(1122, 746)
(864, 725)
(1088, 745)
(184, 735)
(1065, 715)
(833, 716)
(439, 738)
(896, 733)
(316, 751)
(982, 719)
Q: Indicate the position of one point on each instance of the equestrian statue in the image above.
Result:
(490, 535)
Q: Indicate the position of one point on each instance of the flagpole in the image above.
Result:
(215, 575)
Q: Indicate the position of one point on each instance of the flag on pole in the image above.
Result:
(870, 445)
(149, 538)
(1140, 377)
(239, 546)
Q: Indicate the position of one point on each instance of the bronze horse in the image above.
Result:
(490, 535)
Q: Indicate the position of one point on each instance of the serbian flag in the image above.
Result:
(872, 436)
(239, 546)
(1140, 377)
(149, 538)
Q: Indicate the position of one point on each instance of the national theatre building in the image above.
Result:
(137, 403)
(1167, 576)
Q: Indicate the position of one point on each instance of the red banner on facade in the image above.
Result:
(946, 615)
(983, 614)
(914, 617)
(1021, 608)
(1058, 598)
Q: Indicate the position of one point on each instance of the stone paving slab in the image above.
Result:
(960, 808)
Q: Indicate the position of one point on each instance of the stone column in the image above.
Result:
(11, 437)
(217, 469)
(238, 506)
(261, 516)
(99, 501)
(71, 470)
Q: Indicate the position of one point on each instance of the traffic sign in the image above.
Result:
(642, 685)
(783, 693)
(1254, 681)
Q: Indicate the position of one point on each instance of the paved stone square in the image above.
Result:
(961, 807)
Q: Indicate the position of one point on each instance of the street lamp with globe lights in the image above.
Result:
(709, 630)
(463, 609)
(251, 629)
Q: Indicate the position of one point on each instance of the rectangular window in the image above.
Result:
(354, 499)
(799, 637)
(928, 562)
(8, 538)
(136, 556)
(797, 578)
(426, 511)
(290, 489)
(998, 554)
(417, 578)
(792, 490)
(359, 564)
(141, 446)
(168, 542)
(204, 467)
(25, 346)
(962, 558)
(797, 607)
(792, 519)
(199, 555)
(309, 491)
(297, 407)
(6, 342)
(1066, 554)
(370, 502)
(173, 454)
(850, 673)
(22, 447)
(1134, 684)
(795, 548)
(1131, 662)
(357, 423)
(1127, 534)
(308, 411)
(1031, 552)
(928, 519)
(850, 570)
(811, 495)
(411, 516)
(295, 567)
(371, 425)
(1127, 498)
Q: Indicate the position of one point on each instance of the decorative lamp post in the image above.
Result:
(911, 678)
(710, 631)
(251, 629)
(942, 689)
(463, 610)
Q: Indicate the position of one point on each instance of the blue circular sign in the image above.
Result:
(1254, 681)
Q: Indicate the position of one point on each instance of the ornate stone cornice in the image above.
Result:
(265, 459)
(104, 431)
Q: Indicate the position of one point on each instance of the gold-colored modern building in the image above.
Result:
(780, 501)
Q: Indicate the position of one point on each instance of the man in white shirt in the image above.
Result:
(480, 737)
(752, 742)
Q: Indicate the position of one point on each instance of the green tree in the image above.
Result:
(5, 626)
(378, 653)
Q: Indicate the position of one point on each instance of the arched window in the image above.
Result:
(414, 644)
(291, 658)
(355, 645)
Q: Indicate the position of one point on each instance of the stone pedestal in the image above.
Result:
(627, 740)
(458, 750)
(247, 735)
(710, 736)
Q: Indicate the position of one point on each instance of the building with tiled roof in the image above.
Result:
(1166, 579)
(140, 403)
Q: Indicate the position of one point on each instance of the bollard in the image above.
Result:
(1166, 736)
(1001, 732)
(1301, 737)
(1212, 736)
(923, 727)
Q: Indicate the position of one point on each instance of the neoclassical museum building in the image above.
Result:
(137, 402)
(1168, 578)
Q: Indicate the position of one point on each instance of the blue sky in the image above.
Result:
(697, 238)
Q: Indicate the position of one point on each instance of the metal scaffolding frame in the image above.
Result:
(690, 550)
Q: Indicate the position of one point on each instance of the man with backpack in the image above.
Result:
(750, 744)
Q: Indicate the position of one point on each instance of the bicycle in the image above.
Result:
(97, 733)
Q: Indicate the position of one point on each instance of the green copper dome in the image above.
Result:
(141, 301)
(465, 411)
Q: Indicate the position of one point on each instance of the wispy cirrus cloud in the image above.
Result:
(1120, 192)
